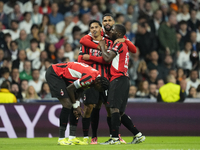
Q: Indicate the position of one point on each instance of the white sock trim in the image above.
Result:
(60, 138)
(86, 137)
(72, 137)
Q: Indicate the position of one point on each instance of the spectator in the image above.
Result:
(180, 43)
(184, 15)
(192, 81)
(119, 7)
(6, 95)
(4, 17)
(195, 44)
(52, 35)
(148, 10)
(95, 14)
(23, 41)
(152, 78)
(156, 4)
(15, 90)
(132, 91)
(38, 63)
(198, 91)
(75, 12)
(17, 14)
(185, 34)
(28, 6)
(27, 23)
(166, 67)
(133, 66)
(183, 60)
(120, 18)
(165, 11)
(193, 21)
(64, 28)
(33, 52)
(43, 45)
(34, 32)
(144, 35)
(14, 31)
(15, 76)
(183, 85)
(31, 94)
(19, 62)
(168, 42)
(154, 61)
(44, 25)
(171, 92)
(84, 23)
(65, 6)
(45, 7)
(153, 92)
(9, 6)
(36, 82)
(156, 21)
(1, 35)
(131, 15)
(55, 16)
(24, 87)
(85, 7)
(5, 75)
(59, 56)
(160, 83)
(180, 75)
(129, 34)
(194, 4)
(1, 57)
(5, 45)
(192, 93)
(142, 71)
(7, 63)
(143, 90)
(26, 73)
(36, 17)
(103, 6)
(45, 91)
(51, 51)
(13, 52)
(76, 32)
(194, 58)
(198, 33)
(68, 52)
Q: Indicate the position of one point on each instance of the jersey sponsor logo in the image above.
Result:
(61, 92)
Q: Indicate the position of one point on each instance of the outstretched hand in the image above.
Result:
(78, 112)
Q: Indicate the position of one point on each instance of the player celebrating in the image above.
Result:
(90, 96)
(119, 85)
(64, 79)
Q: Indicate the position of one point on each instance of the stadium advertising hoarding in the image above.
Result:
(42, 119)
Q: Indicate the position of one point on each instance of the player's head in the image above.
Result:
(95, 28)
(118, 31)
(108, 21)
(101, 83)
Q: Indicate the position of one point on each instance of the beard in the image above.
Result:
(108, 29)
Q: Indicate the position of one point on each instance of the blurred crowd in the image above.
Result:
(37, 33)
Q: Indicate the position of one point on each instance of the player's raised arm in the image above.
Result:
(87, 41)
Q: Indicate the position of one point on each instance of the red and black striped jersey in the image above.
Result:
(119, 65)
(78, 73)
(103, 68)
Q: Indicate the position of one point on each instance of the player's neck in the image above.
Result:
(98, 38)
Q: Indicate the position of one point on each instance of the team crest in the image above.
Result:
(61, 92)
(84, 97)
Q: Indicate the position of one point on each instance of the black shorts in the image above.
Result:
(118, 93)
(56, 84)
(92, 96)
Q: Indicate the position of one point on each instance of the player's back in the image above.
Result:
(119, 65)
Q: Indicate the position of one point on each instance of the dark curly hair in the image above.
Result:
(104, 82)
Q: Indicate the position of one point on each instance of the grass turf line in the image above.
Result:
(164, 143)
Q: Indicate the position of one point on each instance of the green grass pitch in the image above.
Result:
(152, 143)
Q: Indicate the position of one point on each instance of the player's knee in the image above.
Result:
(88, 111)
(114, 110)
(108, 112)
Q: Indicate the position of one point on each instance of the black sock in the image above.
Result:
(95, 121)
(109, 124)
(73, 124)
(64, 114)
(115, 122)
(85, 126)
(127, 122)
